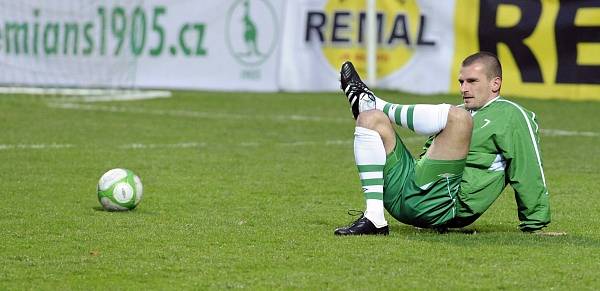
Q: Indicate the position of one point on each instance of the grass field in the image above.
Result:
(244, 190)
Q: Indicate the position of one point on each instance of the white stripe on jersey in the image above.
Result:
(426, 186)
(499, 164)
(537, 128)
(532, 135)
(473, 112)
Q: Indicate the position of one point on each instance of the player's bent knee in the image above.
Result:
(372, 119)
(378, 121)
(461, 118)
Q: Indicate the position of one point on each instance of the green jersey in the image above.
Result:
(504, 150)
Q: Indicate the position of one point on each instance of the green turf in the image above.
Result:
(243, 190)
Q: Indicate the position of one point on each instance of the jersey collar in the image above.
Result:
(473, 112)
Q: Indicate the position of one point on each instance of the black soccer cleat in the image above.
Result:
(362, 226)
(356, 91)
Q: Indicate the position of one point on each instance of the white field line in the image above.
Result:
(560, 132)
(183, 145)
(127, 96)
(312, 143)
(193, 114)
(224, 115)
(90, 95)
(34, 146)
(141, 146)
(154, 146)
(342, 142)
(349, 142)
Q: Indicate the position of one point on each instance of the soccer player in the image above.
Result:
(474, 151)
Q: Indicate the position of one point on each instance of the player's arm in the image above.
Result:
(520, 146)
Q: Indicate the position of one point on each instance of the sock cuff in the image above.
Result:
(443, 117)
(365, 131)
(429, 119)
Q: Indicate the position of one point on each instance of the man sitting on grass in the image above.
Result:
(475, 150)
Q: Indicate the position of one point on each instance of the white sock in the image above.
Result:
(369, 153)
(424, 119)
(380, 103)
(374, 212)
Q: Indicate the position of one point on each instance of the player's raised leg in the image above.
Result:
(424, 119)
(375, 138)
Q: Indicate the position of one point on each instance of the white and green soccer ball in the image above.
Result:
(119, 190)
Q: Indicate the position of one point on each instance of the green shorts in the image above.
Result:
(421, 193)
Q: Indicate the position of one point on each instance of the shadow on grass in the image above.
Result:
(136, 211)
(491, 235)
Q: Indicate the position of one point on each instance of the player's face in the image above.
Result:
(475, 87)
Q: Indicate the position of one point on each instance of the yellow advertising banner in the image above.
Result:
(548, 49)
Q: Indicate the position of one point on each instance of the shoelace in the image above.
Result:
(354, 213)
(359, 90)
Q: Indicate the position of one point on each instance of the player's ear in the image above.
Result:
(496, 84)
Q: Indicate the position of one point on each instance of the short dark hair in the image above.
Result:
(490, 60)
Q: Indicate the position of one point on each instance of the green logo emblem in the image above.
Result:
(251, 31)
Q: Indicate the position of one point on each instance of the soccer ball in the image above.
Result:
(119, 190)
